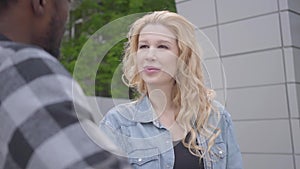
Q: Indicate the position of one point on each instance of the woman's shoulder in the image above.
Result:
(120, 113)
(221, 112)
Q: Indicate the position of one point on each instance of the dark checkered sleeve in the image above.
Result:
(39, 128)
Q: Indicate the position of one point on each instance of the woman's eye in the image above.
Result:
(143, 46)
(163, 47)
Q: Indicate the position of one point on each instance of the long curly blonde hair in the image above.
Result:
(190, 92)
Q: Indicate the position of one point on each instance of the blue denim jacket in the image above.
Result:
(148, 145)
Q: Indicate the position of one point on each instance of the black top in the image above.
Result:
(184, 159)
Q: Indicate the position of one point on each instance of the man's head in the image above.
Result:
(37, 22)
(4, 3)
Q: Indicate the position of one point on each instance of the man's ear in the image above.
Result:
(38, 6)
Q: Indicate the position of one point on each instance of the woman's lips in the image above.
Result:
(150, 69)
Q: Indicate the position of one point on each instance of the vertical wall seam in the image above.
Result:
(286, 85)
(222, 68)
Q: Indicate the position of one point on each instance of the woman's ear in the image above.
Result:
(38, 6)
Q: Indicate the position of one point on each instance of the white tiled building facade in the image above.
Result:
(259, 43)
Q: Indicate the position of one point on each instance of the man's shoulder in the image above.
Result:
(26, 57)
(15, 46)
(19, 52)
(30, 71)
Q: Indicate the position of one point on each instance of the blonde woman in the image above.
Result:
(175, 123)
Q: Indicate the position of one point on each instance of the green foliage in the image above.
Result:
(89, 17)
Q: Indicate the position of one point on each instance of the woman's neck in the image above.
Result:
(161, 98)
(166, 110)
(162, 103)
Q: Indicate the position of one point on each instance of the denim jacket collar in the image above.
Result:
(139, 111)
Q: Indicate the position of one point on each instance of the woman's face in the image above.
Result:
(157, 55)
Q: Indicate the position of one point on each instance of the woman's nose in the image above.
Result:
(151, 54)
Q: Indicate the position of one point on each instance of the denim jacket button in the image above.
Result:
(139, 159)
(220, 152)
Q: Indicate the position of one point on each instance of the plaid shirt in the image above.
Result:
(39, 128)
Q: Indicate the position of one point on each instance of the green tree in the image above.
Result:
(89, 17)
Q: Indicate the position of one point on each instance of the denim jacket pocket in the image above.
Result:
(218, 151)
(144, 158)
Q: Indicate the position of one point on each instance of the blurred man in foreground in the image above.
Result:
(39, 127)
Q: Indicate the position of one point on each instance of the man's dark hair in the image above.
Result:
(4, 3)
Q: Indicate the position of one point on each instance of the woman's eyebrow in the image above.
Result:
(160, 41)
(164, 41)
(143, 41)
